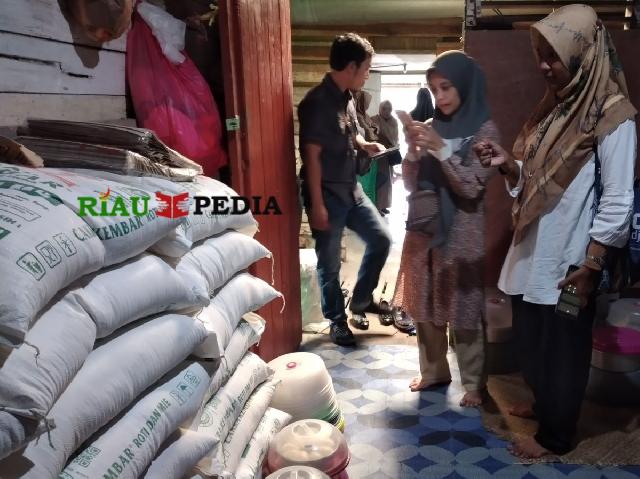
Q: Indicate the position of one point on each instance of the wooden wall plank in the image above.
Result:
(17, 107)
(44, 19)
(34, 65)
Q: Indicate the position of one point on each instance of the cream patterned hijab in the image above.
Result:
(559, 137)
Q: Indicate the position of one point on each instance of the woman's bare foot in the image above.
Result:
(528, 448)
(418, 384)
(471, 399)
(523, 410)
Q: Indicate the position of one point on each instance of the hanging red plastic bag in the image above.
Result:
(172, 99)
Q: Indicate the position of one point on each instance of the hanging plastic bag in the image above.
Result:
(173, 100)
(102, 20)
(168, 30)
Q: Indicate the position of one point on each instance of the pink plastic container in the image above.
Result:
(313, 443)
(611, 339)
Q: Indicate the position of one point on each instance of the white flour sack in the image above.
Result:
(272, 422)
(128, 446)
(113, 375)
(222, 411)
(197, 226)
(246, 335)
(226, 455)
(180, 454)
(139, 288)
(243, 294)
(217, 259)
(44, 247)
(35, 374)
(125, 218)
(206, 224)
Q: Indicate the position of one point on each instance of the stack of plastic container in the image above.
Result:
(298, 472)
(306, 372)
(311, 443)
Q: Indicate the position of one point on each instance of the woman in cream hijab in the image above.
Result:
(567, 211)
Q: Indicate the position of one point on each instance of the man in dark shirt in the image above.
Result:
(333, 197)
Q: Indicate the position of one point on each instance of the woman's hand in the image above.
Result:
(490, 153)
(423, 137)
(584, 280)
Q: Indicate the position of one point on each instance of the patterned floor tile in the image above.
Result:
(397, 434)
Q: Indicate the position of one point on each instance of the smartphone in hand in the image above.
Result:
(404, 117)
(568, 305)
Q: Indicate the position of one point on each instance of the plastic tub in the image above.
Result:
(298, 472)
(310, 442)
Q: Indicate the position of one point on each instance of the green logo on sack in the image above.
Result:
(106, 205)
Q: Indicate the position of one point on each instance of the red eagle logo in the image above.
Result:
(173, 206)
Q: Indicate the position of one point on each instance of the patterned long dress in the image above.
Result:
(445, 284)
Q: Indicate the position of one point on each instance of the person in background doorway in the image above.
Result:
(571, 174)
(424, 108)
(368, 128)
(388, 136)
(440, 282)
(332, 197)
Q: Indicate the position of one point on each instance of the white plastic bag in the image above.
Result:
(180, 454)
(243, 294)
(35, 374)
(229, 453)
(139, 288)
(168, 30)
(113, 375)
(128, 446)
(44, 247)
(272, 422)
(216, 260)
(222, 411)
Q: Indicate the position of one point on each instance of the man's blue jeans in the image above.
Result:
(363, 218)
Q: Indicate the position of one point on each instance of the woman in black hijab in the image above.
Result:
(424, 108)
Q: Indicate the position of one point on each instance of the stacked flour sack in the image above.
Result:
(99, 315)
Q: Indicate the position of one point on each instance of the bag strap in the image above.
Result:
(597, 183)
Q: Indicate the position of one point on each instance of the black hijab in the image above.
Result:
(465, 74)
(424, 108)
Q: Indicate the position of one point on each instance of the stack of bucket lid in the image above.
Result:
(306, 390)
(298, 472)
(310, 443)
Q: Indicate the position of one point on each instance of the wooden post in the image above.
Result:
(256, 45)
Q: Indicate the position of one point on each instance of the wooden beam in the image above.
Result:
(304, 52)
(428, 28)
(611, 25)
(446, 46)
(35, 65)
(17, 107)
(526, 4)
(402, 44)
(507, 22)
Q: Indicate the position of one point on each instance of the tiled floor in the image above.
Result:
(395, 434)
